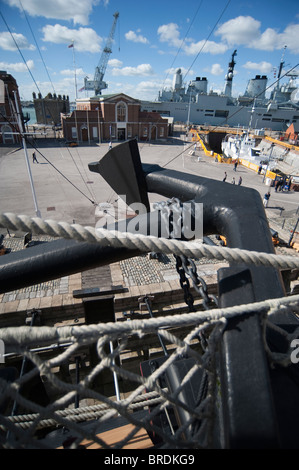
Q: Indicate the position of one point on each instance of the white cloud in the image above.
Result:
(8, 44)
(144, 90)
(132, 36)
(240, 30)
(76, 10)
(115, 63)
(85, 39)
(246, 31)
(140, 70)
(170, 34)
(262, 67)
(184, 70)
(206, 47)
(69, 72)
(216, 69)
(147, 89)
(267, 41)
(290, 37)
(17, 67)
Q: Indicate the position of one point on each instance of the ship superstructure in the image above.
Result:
(195, 104)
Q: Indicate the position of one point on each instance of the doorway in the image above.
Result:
(153, 133)
(121, 134)
(84, 134)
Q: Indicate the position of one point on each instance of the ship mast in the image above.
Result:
(229, 75)
(280, 67)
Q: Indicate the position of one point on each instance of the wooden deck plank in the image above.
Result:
(140, 440)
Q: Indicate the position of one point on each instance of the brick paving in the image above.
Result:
(140, 276)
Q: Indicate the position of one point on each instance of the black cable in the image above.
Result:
(19, 51)
(183, 41)
(222, 13)
(69, 181)
(88, 189)
(37, 46)
(256, 96)
(48, 161)
(237, 111)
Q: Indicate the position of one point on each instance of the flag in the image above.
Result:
(81, 89)
(71, 45)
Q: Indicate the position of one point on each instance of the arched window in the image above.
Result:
(121, 112)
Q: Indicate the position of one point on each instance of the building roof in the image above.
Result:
(117, 96)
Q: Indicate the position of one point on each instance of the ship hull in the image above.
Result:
(217, 111)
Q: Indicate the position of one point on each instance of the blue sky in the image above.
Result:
(152, 39)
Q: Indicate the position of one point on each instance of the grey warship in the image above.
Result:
(194, 104)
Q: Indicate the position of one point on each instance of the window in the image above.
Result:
(161, 131)
(74, 133)
(145, 132)
(94, 132)
(221, 113)
(121, 112)
(129, 130)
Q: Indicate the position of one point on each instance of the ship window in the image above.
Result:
(278, 120)
(267, 115)
(209, 114)
(266, 119)
(209, 110)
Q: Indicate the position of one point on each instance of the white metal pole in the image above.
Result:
(38, 214)
(115, 375)
(75, 69)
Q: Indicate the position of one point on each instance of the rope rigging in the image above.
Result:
(17, 46)
(28, 142)
(145, 244)
(38, 48)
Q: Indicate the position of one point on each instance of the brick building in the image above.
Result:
(112, 117)
(8, 116)
(48, 109)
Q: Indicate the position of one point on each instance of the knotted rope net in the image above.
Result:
(151, 409)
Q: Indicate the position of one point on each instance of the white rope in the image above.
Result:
(83, 413)
(14, 336)
(144, 243)
(21, 338)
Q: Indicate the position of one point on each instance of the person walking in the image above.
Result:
(233, 180)
(225, 176)
(110, 145)
(240, 181)
(235, 165)
(266, 199)
(34, 159)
